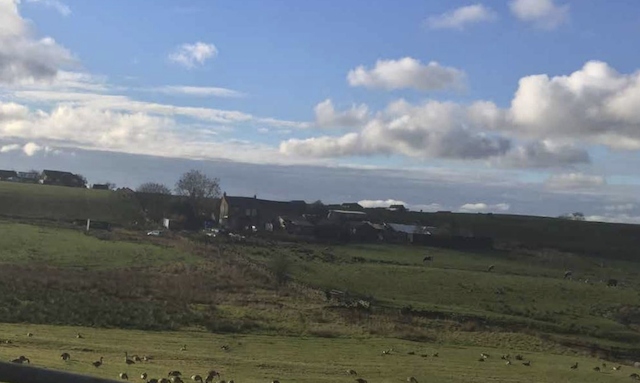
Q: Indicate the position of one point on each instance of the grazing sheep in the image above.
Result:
(636, 364)
(197, 378)
(635, 376)
(505, 357)
(612, 282)
(574, 366)
(79, 336)
(212, 374)
(568, 274)
(98, 363)
(616, 368)
(153, 381)
(136, 358)
(65, 356)
(176, 379)
(604, 365)
(428, 258)
(411, 353)
(519, 357)
(183, 348)
(596, 369)
(124, 376)
(224, 348)
(481, 359)
(359, 380)
(483, 355)
(127, 360)
(174, 373)
(29, 334)
(352, 372)
(275, 381)
(490, 268)
(424, 355)
(508, 363)
(147, 358)
(412, 379)
(435, 355)
(527, 363)
(164, 380)
(143, 376)
(21, 359)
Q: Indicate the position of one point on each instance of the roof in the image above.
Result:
(56, 173)
(282, 207)
(348, 212)
(8, 173)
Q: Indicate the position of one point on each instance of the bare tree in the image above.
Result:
(197, 185)
(153, 188)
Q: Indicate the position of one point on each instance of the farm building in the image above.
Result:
(366, 231)
(100, 186)
(60, 178)
(346, 215)
(29, 177)
(8, 175)
(238, 213)
(352, 206)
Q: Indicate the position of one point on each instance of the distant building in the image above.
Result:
(240, 213)
(100, 186)
(298, 225)
(59, 178)
(346, 215)
(8, 175)
(400, 208)
(29, 177)
(352, 206)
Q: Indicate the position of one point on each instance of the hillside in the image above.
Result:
(60, 203)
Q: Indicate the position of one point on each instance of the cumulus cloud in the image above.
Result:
(545, 154)
(328, 117)
(25, 59)
(190, 55)
(406, 73)
(198, 91)
(620, 208)
(59, 6)
(483, 207)
(368, 203)
(545, 14)
(31, 148)
(9, 148)
(595, 103)
(461, 17)
(572, 181)
(433, 129)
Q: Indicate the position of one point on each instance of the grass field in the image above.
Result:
(66, 204)
(259, 358)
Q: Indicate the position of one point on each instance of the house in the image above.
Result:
(366, 231)
(8, 175)
(59, 178)
(32, 177)
(352, 206)
(241, 213)
(346, 215)
(297, 226)
(400, 208)
(410, 233)
(100, 186)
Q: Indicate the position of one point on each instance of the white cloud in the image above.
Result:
(405, 73)
(461, 17)
(9, 148)
(545, 154)
(327, 117)
(483, 207)
(595, 103)
(572, 181)
(23, 58)
(367, 203)
(59, 6)
(31, 148)
(545, 14)
(190, 55)
(199, 91)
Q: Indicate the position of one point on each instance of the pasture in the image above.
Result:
(263, 358)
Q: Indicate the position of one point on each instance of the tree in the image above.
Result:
(153, 188)
(111, 185)
(197, 186)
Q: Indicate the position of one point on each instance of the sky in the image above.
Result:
(506, 106)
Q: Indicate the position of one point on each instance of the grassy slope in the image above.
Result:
(523, 290)
(263, 358)
(65, 204)
(27, 244)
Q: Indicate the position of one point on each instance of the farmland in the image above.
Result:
(267, 299)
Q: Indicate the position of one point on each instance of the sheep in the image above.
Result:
(211, 375)
(127, 360)
(98, 363)
(143, 376)
(505, 357)
(359, 380)
(490, 268)
(147, 358)
(164, 380)
(574, 366)
(275, 381)
(224, 348)
(65, 356)
(483, 355)
(519, 357)
(21, 359)
(568, 274)
(411, 353)
(124, 376)
(174, 373)
(435, 355)
(153, 380)
(183, 348)
(197, 378)
(527, 363)
(412, 379)
(635, 376)
(616, 368)
(596, 369)
(481, 359)
(79, 336)
(612, 282)
(136, 358)
(508, 363)
(428, 258)
(352, 372)
(29, 334)
(176, 379)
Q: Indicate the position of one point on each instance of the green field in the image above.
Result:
(261, 358)
(60, 203)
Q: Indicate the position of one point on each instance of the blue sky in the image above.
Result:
(499, 101)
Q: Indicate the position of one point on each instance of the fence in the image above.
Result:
(18, 373)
